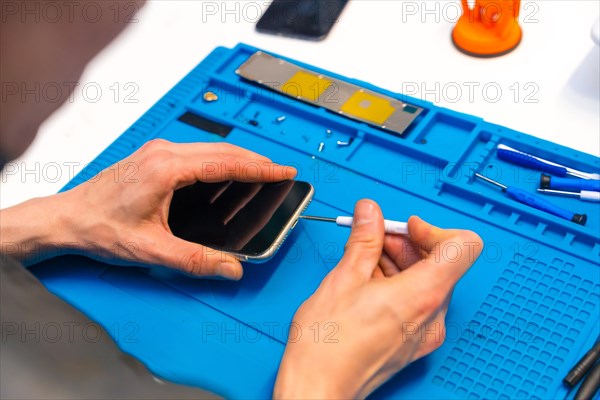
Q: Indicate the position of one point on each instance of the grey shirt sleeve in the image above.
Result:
(37, 363)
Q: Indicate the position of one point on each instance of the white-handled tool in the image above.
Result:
(586, 195)
(528, 160)
(391, 227)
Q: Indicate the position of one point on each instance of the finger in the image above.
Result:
(231, 168)
(231, 156)
(426, 235)
(212, 149)
(378, 273)
(388, 266)
(422, 233)
(215, 162)
(364, 247)
(196, 259)
(443, 267)
(402, 250)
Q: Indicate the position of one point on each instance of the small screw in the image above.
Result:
(328, 132)
(348, 143)
(321, 146)
(210, 97)
(280, 119)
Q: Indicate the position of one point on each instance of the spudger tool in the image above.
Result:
(391, 227)
(534, 201)
(527, 160)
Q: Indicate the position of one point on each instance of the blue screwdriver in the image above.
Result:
(534, 201)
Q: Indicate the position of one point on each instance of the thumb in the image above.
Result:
(198, 260)
(364, 247)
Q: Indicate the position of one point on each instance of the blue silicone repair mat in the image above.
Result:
(518, 321)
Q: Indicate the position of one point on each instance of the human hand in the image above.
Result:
(121, 215)
(386, 301)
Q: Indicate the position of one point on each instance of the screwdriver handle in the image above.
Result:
(590, 196)
(576, 185)
(525, 160)
(583, 365)
(589, 387)
(534, 201)
(391, 227)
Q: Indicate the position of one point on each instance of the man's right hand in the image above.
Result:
(381, 308)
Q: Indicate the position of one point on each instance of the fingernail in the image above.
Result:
(231, 270)
(363, 214)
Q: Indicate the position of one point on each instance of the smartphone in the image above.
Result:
(247, 220)
(304, 19)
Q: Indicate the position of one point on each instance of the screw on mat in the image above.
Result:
(328, 132)
(321, 146)
(280, 119)
(342, 143)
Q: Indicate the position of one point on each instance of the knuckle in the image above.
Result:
(160, 156)
(438, 298)
(364, 239)
(155, 144)
(156, 153)
(431, 302)
(439, 339)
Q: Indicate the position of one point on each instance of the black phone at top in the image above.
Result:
(304, 19)
(248, 220)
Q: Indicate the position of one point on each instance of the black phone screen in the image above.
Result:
(308, 19)
(238, 217)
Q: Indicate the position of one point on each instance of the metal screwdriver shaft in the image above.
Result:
(485, 178)
(313, 218)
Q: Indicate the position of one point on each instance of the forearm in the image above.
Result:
(36, 229)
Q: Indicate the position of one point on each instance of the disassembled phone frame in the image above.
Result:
(347, 99)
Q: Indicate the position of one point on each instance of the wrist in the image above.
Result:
(311, 382)
(300, 386)
(37, 229)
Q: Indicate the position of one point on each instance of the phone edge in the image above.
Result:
(272, 250)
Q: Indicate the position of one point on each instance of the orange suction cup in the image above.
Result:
(489, 29)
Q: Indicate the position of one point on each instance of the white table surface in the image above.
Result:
(550, 83)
